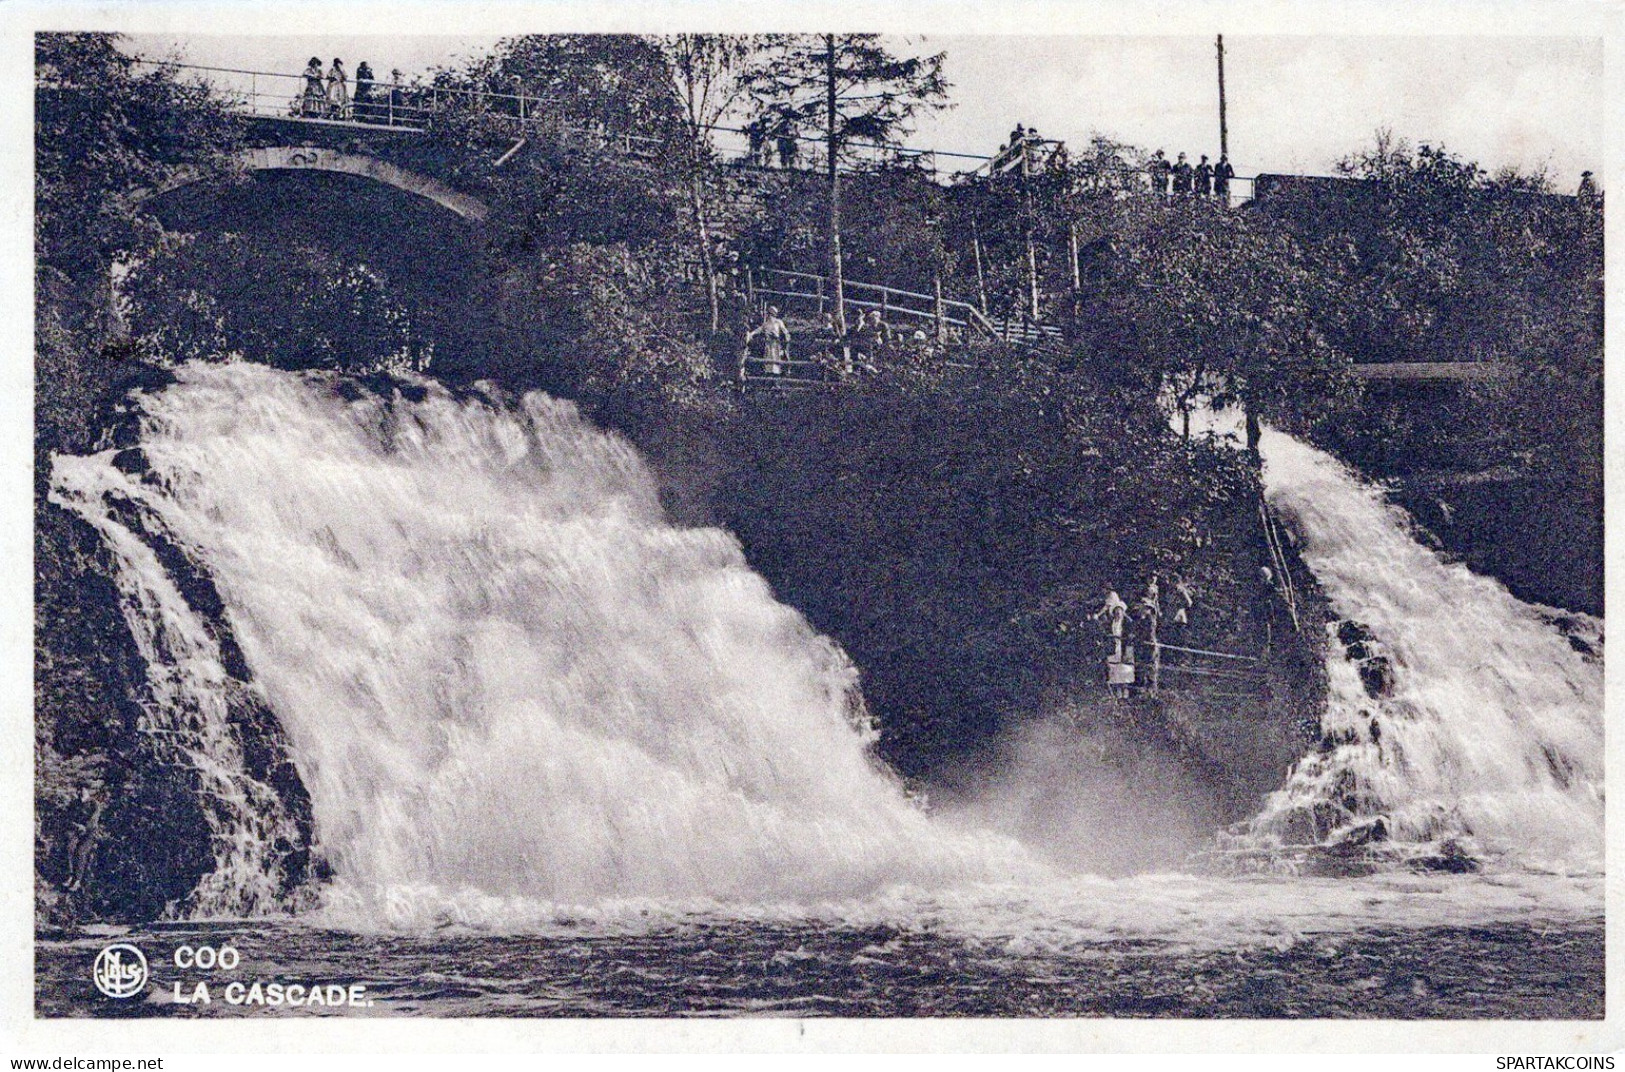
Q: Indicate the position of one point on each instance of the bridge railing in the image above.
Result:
(403, 106)
(409, 105)
(817, 292)
(279, 95)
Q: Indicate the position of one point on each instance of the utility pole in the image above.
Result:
(1032, 249)
(1224, 131)
(836, 272)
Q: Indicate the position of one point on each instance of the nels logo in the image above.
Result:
(120, 971)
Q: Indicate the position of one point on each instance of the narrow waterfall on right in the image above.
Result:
(1463, 727)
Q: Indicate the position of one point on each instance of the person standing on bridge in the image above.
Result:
(1204, 178)
(338, 91)
(313, 104)
(1222, 174)
(1161, 171)
(365, 111)
(1182, 175)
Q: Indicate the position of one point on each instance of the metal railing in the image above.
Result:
(1284, 584)
(943, 319)
(945, 316)
(1237, 671)
(405, 106)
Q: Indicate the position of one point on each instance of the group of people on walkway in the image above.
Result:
(1115, 613)
(868, 341)
(326, 95)
(1181, 179)
(1013, 154)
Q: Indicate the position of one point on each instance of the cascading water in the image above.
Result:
(1459, 718)
(523, 702)
(512, 689)
(503, 675)
(190, 697)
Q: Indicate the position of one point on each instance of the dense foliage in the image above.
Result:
(107, 130)
(214, 297)
(955, 531)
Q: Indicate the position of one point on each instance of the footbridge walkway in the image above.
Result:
(921, 324)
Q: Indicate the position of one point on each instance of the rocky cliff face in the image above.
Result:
(123, 825)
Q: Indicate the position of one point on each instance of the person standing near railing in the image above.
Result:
(1182, 175)
(775, 341)
(788, 144)
(338, 91)
(874, 335)
(314, 102)
(365, 111)
(1222, 174)
(397, 98)
(1160, 171)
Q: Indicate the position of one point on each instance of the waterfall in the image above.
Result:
(1460, 720)
(503, 675)
(193, 702)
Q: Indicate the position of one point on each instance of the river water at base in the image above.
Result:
(730, 967)
(1394, 946)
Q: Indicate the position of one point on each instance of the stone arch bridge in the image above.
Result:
(343, 162)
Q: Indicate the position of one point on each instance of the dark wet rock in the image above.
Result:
(119, 833)
(1367, 832)
(1338, 738)
(121, 830)
(1377, 676)
(1451, 858)
(1352, 632)
(132, 460)
(1561, 768)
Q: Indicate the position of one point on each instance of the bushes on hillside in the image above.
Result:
(953, 533)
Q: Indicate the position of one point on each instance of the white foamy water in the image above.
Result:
(520, 698)
(186, 705)
(1491, 732)
(504, 675)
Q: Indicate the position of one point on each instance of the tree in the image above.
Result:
(1449, 262)
(105, 129)
(563, 172)
(856, 93)
(1210, 303)
(263, 299)
(710, 78)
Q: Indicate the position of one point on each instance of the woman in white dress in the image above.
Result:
(338, 91)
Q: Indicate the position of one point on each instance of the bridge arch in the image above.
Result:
(317, 158)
